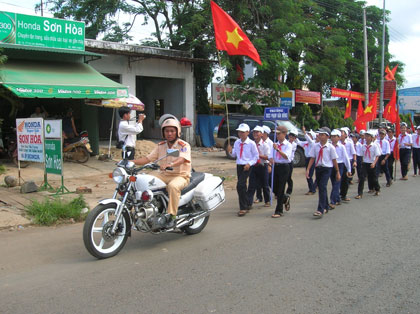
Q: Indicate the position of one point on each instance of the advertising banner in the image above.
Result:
(287, 99)
(276, 113)
(409, 99)
(53, 156)
(342, 93)
(218, 95)
(304, 96)
(52, 128)
(30, 139)
(32, 30)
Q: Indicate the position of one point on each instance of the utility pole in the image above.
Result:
(42, 8)
(381, 99)
(365, 52)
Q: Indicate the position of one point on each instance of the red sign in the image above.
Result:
(342, 93)
(389, 87)
(304, 96)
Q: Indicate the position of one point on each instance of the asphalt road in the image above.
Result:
(363, 257)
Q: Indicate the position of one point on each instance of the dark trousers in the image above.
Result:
(384, 168)
(405, 155)
(345, 182)
(311, 185)
(416, 159)
(322, 174)
(359, 160)
(241, 187)
(372, 177)
(335, 191)
(391, 161)
(290, 180)
(281, 174)
(129, 154)
(258, 179)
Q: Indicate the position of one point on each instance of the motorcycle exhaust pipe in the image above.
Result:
(187, 222)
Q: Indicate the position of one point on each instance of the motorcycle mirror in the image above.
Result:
(172, 152)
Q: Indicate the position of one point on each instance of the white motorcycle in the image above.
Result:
(140, 202)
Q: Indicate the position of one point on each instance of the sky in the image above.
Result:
(404, 29)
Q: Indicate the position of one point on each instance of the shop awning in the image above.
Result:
(41, 79)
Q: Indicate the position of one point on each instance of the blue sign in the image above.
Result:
(276, 113)
(287, 102)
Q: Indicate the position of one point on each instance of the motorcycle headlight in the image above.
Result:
(119, 175)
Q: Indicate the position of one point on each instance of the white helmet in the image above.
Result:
(171, 122)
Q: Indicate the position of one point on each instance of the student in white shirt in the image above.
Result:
(128, 132)
(383, 159)
(405, 141)
(307, 146)
(392, 141)
(416, 150)
(246, 154)
(351, 153)
(343, 164)
(280, 161)
(371, 153)
(293, 140)
(258, 177)
(324, 156)
(269, 142)
(359, 156)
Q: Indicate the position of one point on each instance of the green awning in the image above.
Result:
(41, 79)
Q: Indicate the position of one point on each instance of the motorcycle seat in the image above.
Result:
(196, 178)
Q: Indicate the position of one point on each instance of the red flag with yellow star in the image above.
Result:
(230, 37)
(347, 114)
(369, 114)
(390, 112)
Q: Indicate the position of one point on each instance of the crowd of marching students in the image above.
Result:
(331, 155)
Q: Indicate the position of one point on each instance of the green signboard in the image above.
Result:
(53, 156)
(32, 30)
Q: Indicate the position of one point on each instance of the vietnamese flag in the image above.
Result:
(347, 114)
(360, 109)
(390, 74)
(369, 114)
(230, 37)
(390, 112)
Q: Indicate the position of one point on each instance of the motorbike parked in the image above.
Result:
(140, 202)
(77, 149)
(10, 147)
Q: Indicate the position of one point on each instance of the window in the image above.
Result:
(159, 108)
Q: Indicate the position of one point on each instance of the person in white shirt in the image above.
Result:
(280, 161)
(39, 114)
(362, 137)
(416, 150)
(269, 142)
(391, 159)
(128, 132)
(258, 177)
(371, 153)
(324, 156)
(293, 140)
(359, 155)
(351, 153)
(247, 155)
(405, 142)
(343, 164)
(383, 159)
(307, 147)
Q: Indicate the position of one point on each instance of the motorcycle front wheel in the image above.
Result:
(97, 235)
(81, 154)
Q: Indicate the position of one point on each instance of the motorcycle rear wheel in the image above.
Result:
(81, 154)
(197, 226)
(97, 240)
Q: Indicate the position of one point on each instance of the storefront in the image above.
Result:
(47, 66)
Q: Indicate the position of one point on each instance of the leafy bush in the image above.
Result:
(50, 211)
(334, 118)
(304, 116)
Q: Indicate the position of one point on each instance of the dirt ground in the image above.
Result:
(93, 175)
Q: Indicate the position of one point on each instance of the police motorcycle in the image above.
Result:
(140, 203)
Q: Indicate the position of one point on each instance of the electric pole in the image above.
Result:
(365, 52)
(381, 99)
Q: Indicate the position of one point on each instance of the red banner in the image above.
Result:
(389, 88)
(342, 93)
(304, 96)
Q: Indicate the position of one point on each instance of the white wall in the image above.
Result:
(113, 64)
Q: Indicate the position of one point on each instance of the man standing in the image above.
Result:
(391, 159)
(174, 171)
(247, 155)
(405, 141)
(416, 151)
(351, 153)
(280, 161)
(383, 159)
(128, 132)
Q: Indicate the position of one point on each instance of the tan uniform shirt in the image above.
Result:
(184, 152)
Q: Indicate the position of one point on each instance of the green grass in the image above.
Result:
(54, 211)
(2, 169)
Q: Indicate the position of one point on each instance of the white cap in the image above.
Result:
(371, 133)
(266, 129)
(362, 132)
(403, 124)
(258, 129)
(418, 127)
(312, 133)
(345, 129)
(293, 132)
(243, 127)
(336, 132)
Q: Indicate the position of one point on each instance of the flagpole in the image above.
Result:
(225, 98)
